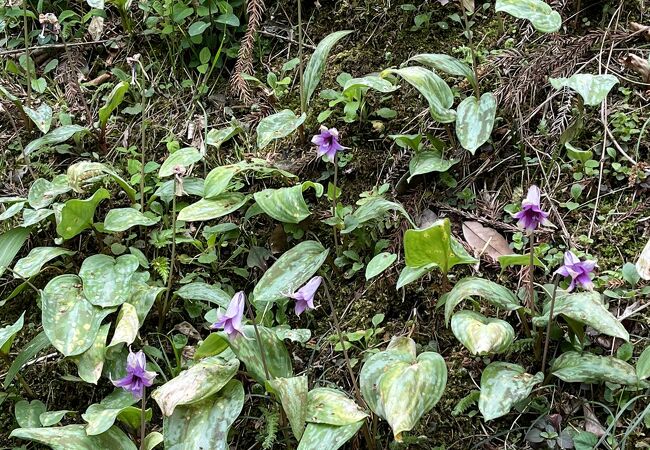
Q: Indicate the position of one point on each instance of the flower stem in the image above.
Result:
(303, 100)
(161, 319)
(470, 38)
(547, 338)
(142, 417)
(142, 145)
(531, 281)
(334, 198)
(28, 61)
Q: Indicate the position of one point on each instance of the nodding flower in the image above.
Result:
(304, 296)
(531, 214)
(327, 142)
(231, 320)
(579, 271)
(137, 376)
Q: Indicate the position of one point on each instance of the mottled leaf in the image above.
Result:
(54, 137)
(481, 335)
(316, 64)
(74, 437)
(218, 206)
(50, 418)
(121, 219)
(574, 367)
(287, 204)
(369, 82)
(28, 413)
(204, 292)
(427, 162)
(32, 264)
(292, 393)
(126, 327)
(475, 120)
(183, 157)
(43, 192)
(42, 117)
(332, 407)
(217, 181)
(592, 88)
(101, 416)
(540, 15)
(447, 64)
(277, 126)
(490, 291)
(8, 333)
(32, 217)
(277, 357)
(12, 211)
(91, 362)
(107, 280)
(503, 385)
(216, 138)
(319, 436)
(77, 215)
(301, 335)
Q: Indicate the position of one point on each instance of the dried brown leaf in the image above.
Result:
(639, 65)
(592, 424)
(484, 240)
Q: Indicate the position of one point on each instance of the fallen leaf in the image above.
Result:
(592, 424)
(639, 65)
(485, 241)
(643, 263)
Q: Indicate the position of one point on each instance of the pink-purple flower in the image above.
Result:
(531, 214)
(304, 296)
(137, 376)
(231, 320)
(327, 142)
(579, 271)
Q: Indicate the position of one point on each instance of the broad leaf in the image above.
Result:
(287, 204)
(316, 65)
(195, 384)
(218, 179)
(126, 327)
(77, 215)
(410, 274)
(101, 416)
(574, 367)
(115, 98)
(32, 264)
(643, 364)
(217, 137)
(43, 192)
(42, 117)
(290, 272)
(586, 308)
(503, 385)
(107, 280)
(490, 291)
(332, 407)
(248, 351)
(213, 345)
(74, 437)
(541, 16)
(121, 219)
(481, 335)
(369, 82)
(447, 64)
(32, 217)
(183, 157)
(427, 162)
(84, 174)
(277, 126)
(506, 261)
(10, 244)
(50, 418)
(379, 263)
(592, 88)
(8, 333)
(54, 137)
(219, 206)
(91, 362)
(375, 209)
(204, 292)
(28, 413)
(319, 436)
(475, 120)
(292, 393)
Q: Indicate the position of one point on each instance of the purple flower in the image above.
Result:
(328, 142)
(531, 214)
(304, 296)
(231, 320)
(137, 376)
(579, 271)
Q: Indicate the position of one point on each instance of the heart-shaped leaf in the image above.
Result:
(290, 272)
(77, 215)
(121, 219)
(248, 351)
(586, 308)
(592, 88)
(541, 15)
(183, 157)
(292, 393)
(54, 137)
(427, 162)
(332, 407)
(91, 362)
(475, 120)
(28, 413)
(481, 335)
(503, 385)
(277, 126)
(42, 117)
(43, 192)
(447, 64)
(218, 206)
(32, 264)
(74, 437)
(574, 367)
(379, 263)
(318, 436)
(8, 333)
(107, 280)
(287, 204)
(101, 416)
(490, 291)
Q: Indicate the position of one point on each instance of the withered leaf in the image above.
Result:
(484, 240)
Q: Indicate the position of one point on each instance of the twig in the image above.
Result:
(286, 38)
(19, 51)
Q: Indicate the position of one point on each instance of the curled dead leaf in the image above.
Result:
(485, 241)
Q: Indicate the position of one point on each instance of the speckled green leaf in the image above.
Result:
(91, 362)
(316, 64)
(475, 120)
(43, 192)
(219, 206)
(586, 308)
(183, 157)
(205, 424)
(319, 436)
(204, 292)
(447, 64)
(32, 264)
(376, 208)
(8, 333)
(114, 99)
(574, 367)
(287, 204)
(503, 385)
(277, 126)
(277, 357)
(70, 322)
(32, 217)
(50, 418)
(427, 162)
(143, 297)
(28, 413)
(195, 384)
(592, 88)
(379, 263)
(107, 280)
(11, 242)
(42, 117)
(435, 245)
(126, 327)
(11, 211)
(490, 291)
(74, 437)
(400, 387)
(332, 407)
(369, 82)
(292, 393)
(481, 335)
(101, 416)
(122, 219)
(216, 138)
(541, 15)
(410, 274)
(290, 272)
(218, 179)
(54, 137)
(301, 335)
(77, 215)
(85, 174)
(433, 89)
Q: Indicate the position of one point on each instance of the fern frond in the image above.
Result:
(465, 403)
(244, 65)
(271, 419)
(161, 266)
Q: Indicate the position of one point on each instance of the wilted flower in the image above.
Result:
(231, 320)
(327, 142)
(579, 271)
(304, 296)
(137, 376)
(531, 214)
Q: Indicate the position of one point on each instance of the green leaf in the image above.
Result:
(576, 154)
(435, 245)
(218, 179)
(10, 244)
(410, 274)
(481, 335)
(316, 65)
(74, 437)
(70, 322)
(101, 416)
(292, 393)
(126, 326)
(541, 15)
(427, 162)
(574, 367)
(195, 384)
(318, 436)
(42, 117)
(213, 345)
(216, 138)
(506, 261)
(143, 297)
(12, 211)
(91, 362)
(32, 264)
(50, 418)
(204, 292)
(28, 352)
(332, 407)
(287, 204)
(115, 98)
(184, 158)
(205, 424)
(152, 440)
(219, 206)
(475, 120)
(197, 28)
(374, 209)
(490, 291)
(32, 217)
(400, 387)
(630, 274)
(277, 126)
(301, 335)
(277, 357)
(28, 414)
(643, 364)
(8, 333)
(42, 192)
(290, 272)
(592, 88)
(586, 308)
(87, 173)
(379, 263)
(503, 385)
(107, 280)
(369, 82)
(447, 64)
(121, 219)
(77, 215)
(433, 88)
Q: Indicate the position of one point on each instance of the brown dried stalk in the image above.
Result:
(244, 65)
